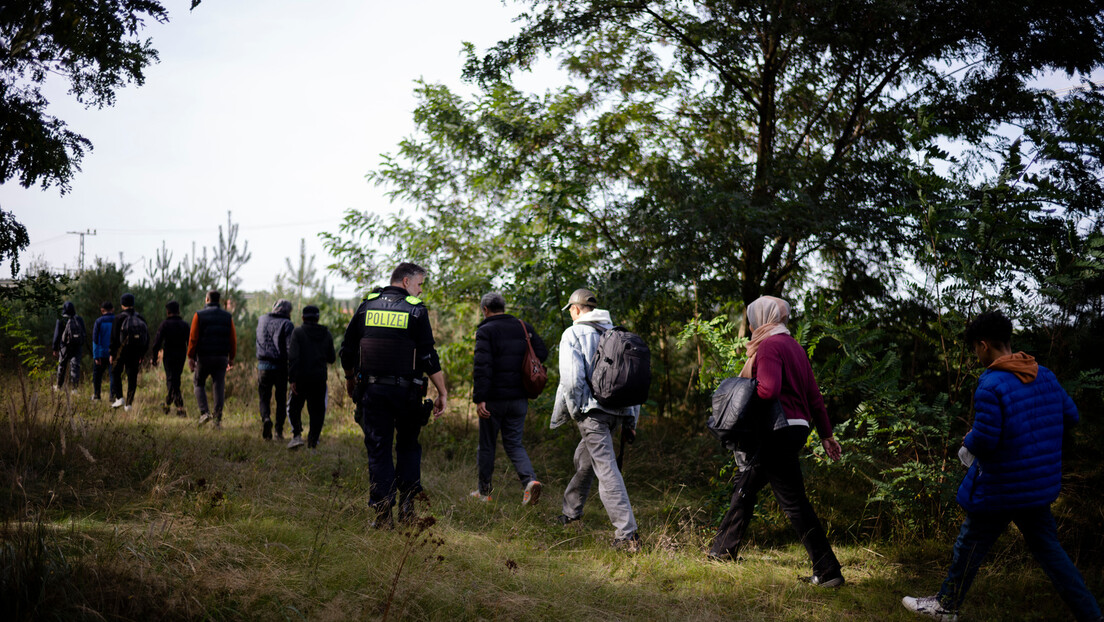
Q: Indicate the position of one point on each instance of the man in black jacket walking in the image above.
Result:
(129, 341)
(311, 350)
(500, 398)
(172, 336)
(69, 337)
(273, 339)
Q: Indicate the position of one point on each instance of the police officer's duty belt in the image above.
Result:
(394, 381)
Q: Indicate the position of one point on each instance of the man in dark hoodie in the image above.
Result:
(129, 342)
(69, 336)
(500, 398)
(172, 336)
(1013, 454)
(101, 353)
(273, 334)
(311, 350)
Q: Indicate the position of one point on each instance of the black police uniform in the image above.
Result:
(389, 346)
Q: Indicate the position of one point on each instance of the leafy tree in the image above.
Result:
(13, 239)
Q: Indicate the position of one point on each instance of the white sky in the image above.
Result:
(273, 109)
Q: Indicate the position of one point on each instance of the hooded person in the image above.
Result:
(781, 367)
(172, 338)
(273, 340)
(309, 354)
(68, 342)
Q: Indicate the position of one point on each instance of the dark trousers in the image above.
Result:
(386, 416)
(269, 381)
(981, 529)
(507, 417)
(213, 367)
(776, 463)
(72, 364)
(99, 368)
(130, 366)
(313, 394)
(174, 367)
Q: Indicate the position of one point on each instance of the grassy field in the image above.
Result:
(137, 515)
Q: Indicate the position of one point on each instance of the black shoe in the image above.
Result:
(565, 520)
(720, 557)
(406, 512)
(630, 544)
(826, 582)
(165, 409)
(266, 433)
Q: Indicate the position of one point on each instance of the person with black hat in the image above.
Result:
(129, 341)
(212, 344)
(387, 349)
(595, 455)
(172, 336)
(69, 337)
(310, 351)
(273, 339)
(101, 353)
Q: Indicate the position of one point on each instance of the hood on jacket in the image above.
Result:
(597, 316)
(282, 307)
(68, 308)
(1022, 365)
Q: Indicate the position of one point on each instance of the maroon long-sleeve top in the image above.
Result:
(783, 370)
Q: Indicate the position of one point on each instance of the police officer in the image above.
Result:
(388, 346)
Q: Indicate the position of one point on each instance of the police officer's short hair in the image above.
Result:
(494, 302)
(406, 270)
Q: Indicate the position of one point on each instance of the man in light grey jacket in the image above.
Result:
(595, 455)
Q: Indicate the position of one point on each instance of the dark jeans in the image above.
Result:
(507, 416)
(99, 368)
(776, 463)
(981, 529)
(215, 368)
(72, 363)
(313, 394)
(386, 415)
(269, 380)
(130, 366)
(174, 367)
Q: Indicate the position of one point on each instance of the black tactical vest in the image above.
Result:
(387, 345)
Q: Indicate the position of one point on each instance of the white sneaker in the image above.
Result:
(127, 408)
(117, 403)
(204, 418)
(532, 493)
(296, 442)
(475, 494)
(929, 606)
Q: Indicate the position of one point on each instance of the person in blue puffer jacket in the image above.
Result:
(1014, 456)
(101, 353)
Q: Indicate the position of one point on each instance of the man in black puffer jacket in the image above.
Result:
(500, 398)
(310, 352)
(172, 337)
(273, 338)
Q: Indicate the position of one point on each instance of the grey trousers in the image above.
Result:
(596, 457)
(215, 368)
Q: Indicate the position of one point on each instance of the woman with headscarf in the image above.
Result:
(782, 368)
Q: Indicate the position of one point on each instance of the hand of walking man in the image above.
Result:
(832, 448)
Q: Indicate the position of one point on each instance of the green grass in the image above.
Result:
(126, 516)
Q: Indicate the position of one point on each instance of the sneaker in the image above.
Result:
(475, 494)
(126, 407)
(266, 430)
(406, 512)
(929, 606)
(95, 398)
(565, 520)
(532, 493)
(204, 418)
(280, 435)
(823, 582)
(165, 408)
(218, 424)
(117, 403)
(630, 544)
(296, 442)
(180, 412)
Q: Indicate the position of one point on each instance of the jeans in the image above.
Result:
(313, 394)
(776, 463)
(388, 413)
(99, 368)
(215, 368)
(174, 367)
(72, 362)
(507, 416)
(595, 457)
(268, 382)
(981, 529)
(129, 365)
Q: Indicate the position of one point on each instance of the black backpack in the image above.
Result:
(622, 370)
(73, 334)
(133, 334)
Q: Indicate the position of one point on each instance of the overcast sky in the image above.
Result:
(272, 109)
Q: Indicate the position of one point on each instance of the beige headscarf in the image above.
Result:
(767, 316)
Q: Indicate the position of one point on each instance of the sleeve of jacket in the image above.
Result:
(159, 339)
(193, 336)
(539, 348)
(482, 365)
(233, 342)
(428, 362)
(768, 371)
(115, 329)
(286, 331)
(1070, 417)
(294, 351)
(350, 343)
(573, 370)
(330, 355)
(984, 436)
(56, 341)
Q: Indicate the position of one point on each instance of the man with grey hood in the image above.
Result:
(273, 339)
(595, 455)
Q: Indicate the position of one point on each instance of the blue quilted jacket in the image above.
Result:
(1017, 440)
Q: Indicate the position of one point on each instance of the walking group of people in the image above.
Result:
(1013, 450)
